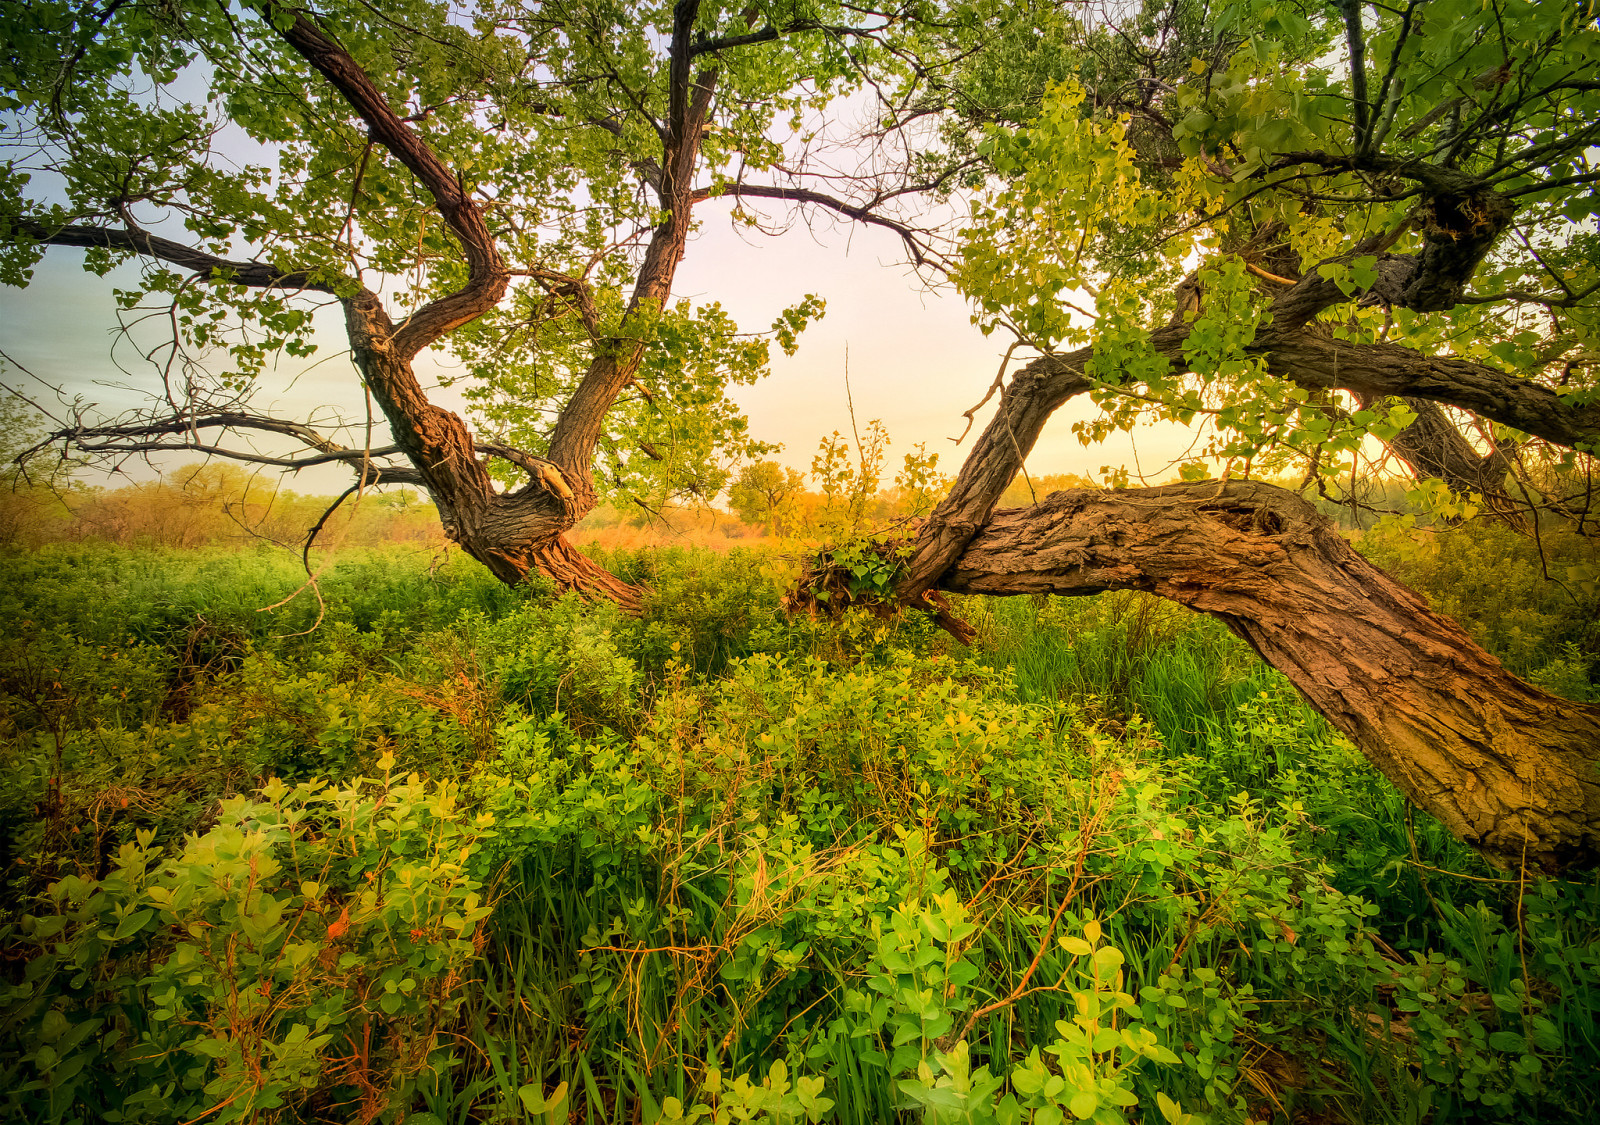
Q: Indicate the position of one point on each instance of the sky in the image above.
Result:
(916, 361)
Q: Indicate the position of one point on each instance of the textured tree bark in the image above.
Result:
(1508, 768)
(1505, 766)
(521, 531)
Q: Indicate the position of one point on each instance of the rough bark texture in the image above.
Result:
(1505, 766)
(521, 531)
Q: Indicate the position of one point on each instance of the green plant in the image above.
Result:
(314, 943)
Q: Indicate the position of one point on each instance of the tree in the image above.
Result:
(1294, 222)
(513, 183)
(768, 493)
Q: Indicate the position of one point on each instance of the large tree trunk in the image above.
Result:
(1505, 766)
(1508, 768)
(518, 532)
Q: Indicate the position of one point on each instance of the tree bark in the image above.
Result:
(521, 531)
(1433, 447)
(1508, 768)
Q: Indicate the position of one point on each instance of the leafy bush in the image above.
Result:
(310, 947)
(745, 867)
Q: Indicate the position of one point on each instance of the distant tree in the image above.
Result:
(767, 493)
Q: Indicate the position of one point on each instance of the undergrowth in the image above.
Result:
(462, 854)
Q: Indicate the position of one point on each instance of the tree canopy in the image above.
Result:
(512, 184)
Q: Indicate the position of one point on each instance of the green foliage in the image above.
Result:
(1523, 599)
(1203, 143)
(741, 867)
(314, 940)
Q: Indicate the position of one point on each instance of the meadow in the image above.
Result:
(461, 854)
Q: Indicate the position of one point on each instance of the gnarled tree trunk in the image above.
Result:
(1508, 768)
(513, 533)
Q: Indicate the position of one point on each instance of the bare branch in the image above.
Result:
(922, 254)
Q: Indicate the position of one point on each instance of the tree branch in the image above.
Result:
(1305, 358)
(577, 431)
(1356, 41)
(921, 253)
(1505, 766)
(258, 275)
(488, 277)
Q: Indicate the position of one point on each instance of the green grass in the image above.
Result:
(717, 839)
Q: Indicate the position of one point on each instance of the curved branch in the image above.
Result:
(1301, 356)
(488, 277)
(1505, 766)
(921, 253)
(1391, 369)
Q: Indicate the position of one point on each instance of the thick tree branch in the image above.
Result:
(1301, 356)
(1505, 766)
(1321, 363)
(1434, 448)
(577, 431)
(488, 277)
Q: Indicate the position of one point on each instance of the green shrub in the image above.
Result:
(309, 948)
(719, 837)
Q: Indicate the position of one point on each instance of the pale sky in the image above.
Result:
(916, 361)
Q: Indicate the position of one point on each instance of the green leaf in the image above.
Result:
(1169, 1108)
(1508, 1041)
(132, 923)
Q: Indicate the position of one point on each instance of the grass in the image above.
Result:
(718, 840)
